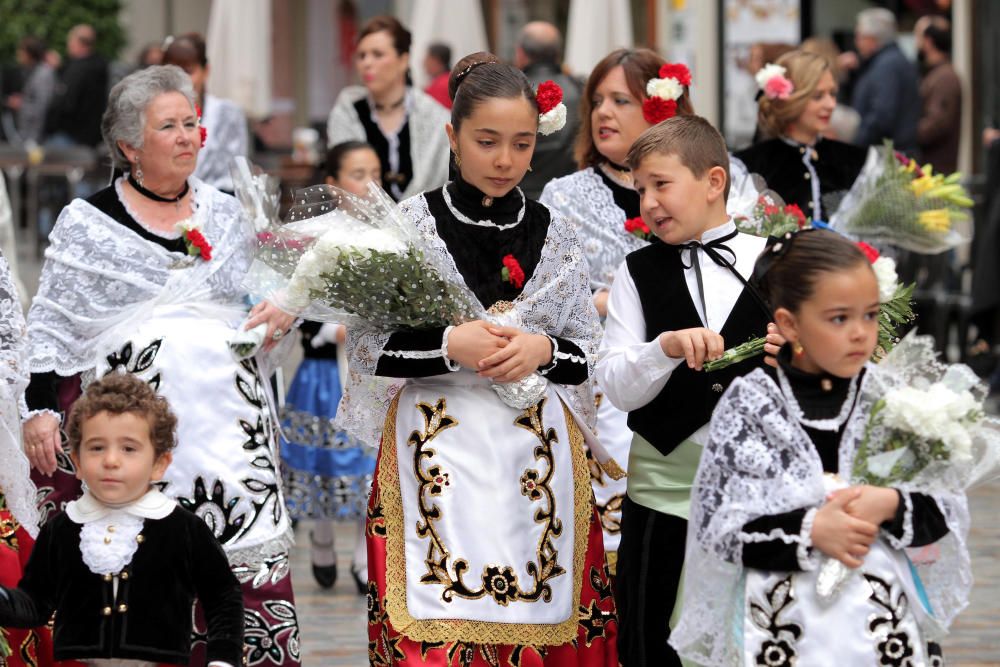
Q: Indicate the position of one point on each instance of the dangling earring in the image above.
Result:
(458, 159)
(529, 168)
(797, 349)
(138, 172)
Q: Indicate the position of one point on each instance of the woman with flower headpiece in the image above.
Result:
(797, 97)
(484, 546)
(401, 122)
(146, 277)
(628, 91)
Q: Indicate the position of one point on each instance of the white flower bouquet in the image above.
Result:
(355, 261)
(927, 430)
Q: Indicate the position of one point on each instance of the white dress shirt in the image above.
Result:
(633, 371)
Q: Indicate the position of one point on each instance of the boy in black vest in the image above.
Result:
(673, 305)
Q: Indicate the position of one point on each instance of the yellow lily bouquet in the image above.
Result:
(900, 203)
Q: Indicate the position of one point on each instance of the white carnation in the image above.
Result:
(888, 280)
(934, 413)
(668, 89)
(552, 120)
(767, 72)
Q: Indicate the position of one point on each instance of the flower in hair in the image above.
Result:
(773, 83)
(551, 110)
(664, 91)
(678, 71)
(656, 109)
(201, 128)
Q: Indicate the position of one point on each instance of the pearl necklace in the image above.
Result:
(483, 223)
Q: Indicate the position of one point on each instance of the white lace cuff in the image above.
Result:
(450, 363)
(904, 541)
(34, 413)
(807, 556)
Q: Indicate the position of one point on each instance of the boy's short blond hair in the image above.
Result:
(694, 141)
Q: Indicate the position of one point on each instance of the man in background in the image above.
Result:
(885, 93)
(538, 53)
(941, 95)
(81, 92)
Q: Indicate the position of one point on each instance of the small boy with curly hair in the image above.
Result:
(123, 565)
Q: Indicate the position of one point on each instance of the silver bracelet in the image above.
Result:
(450, 363)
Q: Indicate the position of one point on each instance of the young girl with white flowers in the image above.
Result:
(484, 547)
(771, 502)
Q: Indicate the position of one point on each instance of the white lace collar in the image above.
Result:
(156, 232)
(153, 505)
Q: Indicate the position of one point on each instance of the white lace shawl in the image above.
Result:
(556, 300)
(585, 200)
(760, 461)
(588, 203)
(15, 478)
(429, 146)
(98, 274)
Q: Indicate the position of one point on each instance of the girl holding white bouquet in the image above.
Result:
(826, 527)
(484, 547)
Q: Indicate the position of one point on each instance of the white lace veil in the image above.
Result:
(555, 300)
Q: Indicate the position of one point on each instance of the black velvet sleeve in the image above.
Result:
(30, 605)
(929, 525)
(774, 554)
(221, 597)
(567, 371)
(412, 341)
(42, 392)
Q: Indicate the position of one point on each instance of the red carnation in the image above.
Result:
(512, 272)
(637, 227)
(677, 71)
(549, 96)
(800, 217)
(202, 132)
(771, 209)
(871, 253)
(657, 109)
(197, 244)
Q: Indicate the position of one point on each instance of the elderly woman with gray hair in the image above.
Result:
(145, 277)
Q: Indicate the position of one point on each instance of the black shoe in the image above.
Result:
(362, 584)
(325, 575)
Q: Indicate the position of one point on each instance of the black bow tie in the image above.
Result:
(713, 249)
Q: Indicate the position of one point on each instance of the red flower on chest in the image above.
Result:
(512, 272)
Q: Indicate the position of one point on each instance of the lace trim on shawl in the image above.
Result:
(479, 632)
(555, 300)
(97, 272)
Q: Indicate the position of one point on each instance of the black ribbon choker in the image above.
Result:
(149, 194)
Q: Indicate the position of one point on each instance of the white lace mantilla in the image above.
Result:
(556, 300)
(15, 479)
(760, 461)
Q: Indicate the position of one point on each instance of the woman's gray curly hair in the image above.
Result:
(125, 116)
